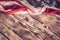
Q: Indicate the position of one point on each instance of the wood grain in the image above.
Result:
(30, 27)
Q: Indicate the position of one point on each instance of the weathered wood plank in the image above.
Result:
(2, 37)
(8, 33)
(30, 27)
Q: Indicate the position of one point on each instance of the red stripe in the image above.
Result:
(14, 11)
(52, 11)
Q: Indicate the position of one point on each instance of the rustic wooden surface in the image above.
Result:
(27, 27)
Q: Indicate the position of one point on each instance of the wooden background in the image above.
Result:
(29, 27)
